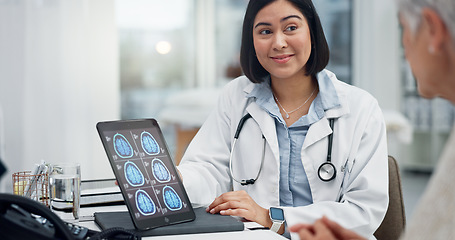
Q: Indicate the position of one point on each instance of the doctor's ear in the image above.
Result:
(435, 30)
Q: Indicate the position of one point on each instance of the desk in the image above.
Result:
(86, 220)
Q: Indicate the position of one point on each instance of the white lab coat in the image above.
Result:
(357, 198)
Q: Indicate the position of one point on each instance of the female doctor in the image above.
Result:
(281, 158)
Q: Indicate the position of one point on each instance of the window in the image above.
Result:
(336, 18)
(156, 41)
(228, 34)
(170, 46)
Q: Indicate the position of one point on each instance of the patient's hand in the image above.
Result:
(239, 203)
(324, 229)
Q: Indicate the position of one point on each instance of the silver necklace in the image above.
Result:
(288, 113)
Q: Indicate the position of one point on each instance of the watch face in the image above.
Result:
(276, 214)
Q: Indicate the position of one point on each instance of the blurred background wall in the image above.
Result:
(66, 65)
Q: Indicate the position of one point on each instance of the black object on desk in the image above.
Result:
(204, 223)
(2, 168)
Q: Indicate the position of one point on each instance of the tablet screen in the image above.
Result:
(146, 175)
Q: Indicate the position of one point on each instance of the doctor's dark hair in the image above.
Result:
(318, 59)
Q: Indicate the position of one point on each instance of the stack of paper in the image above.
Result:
(96, 192)
(104, 191)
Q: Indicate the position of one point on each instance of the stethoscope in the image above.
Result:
(326, 171)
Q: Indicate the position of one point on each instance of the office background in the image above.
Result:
(66, 65)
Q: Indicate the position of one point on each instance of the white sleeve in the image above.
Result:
(205, 165)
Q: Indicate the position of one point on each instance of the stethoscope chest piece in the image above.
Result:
(327, 172)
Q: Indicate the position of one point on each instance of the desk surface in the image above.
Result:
(87, 220)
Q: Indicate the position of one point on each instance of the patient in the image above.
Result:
(429, 42)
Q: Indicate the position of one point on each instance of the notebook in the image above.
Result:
(149, 182)
(97, 192)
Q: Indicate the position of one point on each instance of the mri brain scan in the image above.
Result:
(160, 171)
(144, 203)
(149, 144)
(133, 174)
(171, 199)
(122, 146)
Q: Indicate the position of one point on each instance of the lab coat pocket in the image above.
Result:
(346, 171)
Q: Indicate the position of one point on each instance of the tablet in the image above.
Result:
(145, 172)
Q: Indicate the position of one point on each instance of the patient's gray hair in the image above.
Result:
(411, 10)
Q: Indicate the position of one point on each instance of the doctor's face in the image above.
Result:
(282, 40)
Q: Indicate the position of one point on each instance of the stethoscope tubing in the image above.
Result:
(326, 171)
(244, 182)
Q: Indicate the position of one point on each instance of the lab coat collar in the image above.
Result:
(329, 96)
(334, 111)
(317, 131)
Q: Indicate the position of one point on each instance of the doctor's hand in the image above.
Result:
(324, 229)
(239, 203)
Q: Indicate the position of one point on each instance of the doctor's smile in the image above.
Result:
(282, 58)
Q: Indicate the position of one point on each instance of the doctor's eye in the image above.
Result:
(291, 28)
(265, 32)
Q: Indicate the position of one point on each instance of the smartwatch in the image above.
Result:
(277, 217)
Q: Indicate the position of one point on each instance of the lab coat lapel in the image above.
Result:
(267, 126)
(321, 128)
(317, 131)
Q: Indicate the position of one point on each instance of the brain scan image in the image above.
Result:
(133, 174)
(160, 171)
(171, 199)
(144, 203)
(122, 146)
(149, 144)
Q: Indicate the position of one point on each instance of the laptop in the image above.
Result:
(153, 192)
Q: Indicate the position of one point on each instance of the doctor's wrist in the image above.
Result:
(277, 220)
(263, 218)
(180, 175)
(268, 223)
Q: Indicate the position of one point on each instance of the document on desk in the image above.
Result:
(96, 192)
(102, 191)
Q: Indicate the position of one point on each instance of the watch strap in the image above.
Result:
(276, 226)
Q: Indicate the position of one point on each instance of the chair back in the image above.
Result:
(394, 221)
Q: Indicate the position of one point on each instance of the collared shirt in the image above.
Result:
(294, 186)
